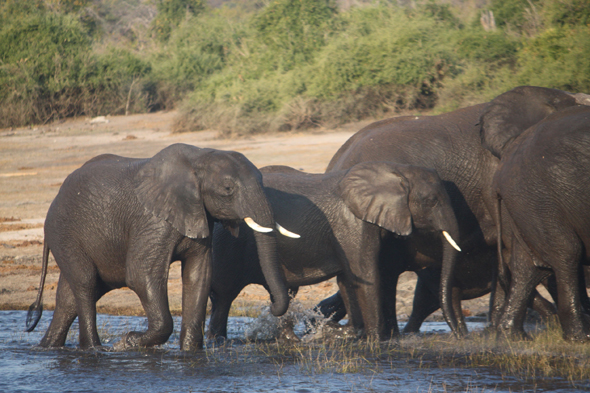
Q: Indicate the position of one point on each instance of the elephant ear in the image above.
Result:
(376, 193)
(168, 187)
(510, 114)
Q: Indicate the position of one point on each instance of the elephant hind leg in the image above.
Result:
(524, 279)
(425, 303)
(63, 316)
(220, 307)
(569, 306)
(78, 285)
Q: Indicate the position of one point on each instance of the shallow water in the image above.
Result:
(236, 367)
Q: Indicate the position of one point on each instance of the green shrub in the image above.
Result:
(294, 30)
(383, 47)
(512, 13)
(172, 12)
(492, 47)
(567, 12)
(558, 58)
(291, 64)
(49, 70)
(44, 58)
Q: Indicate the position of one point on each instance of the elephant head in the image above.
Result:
(189, 187)
(401, 198)
(511, 113)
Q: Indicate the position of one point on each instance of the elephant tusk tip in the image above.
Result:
(287, 233)
(451, 241)
(257, 227)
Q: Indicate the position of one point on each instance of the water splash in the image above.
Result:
(298, 324)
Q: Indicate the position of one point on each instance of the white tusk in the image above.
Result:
(258, 228)
(450, 240)
(287, 233)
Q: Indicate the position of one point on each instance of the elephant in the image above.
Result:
(120, 221)
(344, 219)
(450, 144)
(542, 203)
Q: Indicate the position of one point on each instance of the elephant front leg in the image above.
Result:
(147, 276)
(196, 283)
(364, 280)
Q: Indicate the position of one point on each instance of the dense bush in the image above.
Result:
(252, 67)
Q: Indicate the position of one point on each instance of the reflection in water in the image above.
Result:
(234, 367)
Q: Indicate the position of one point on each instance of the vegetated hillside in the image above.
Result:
(245, 66)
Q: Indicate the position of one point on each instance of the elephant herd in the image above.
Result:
(488, 198)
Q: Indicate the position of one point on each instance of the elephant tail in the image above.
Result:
(36, 309)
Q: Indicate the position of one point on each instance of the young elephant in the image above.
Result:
(120, 221)
(346, 219)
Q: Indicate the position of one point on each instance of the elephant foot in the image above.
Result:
(512, 334)
(576, 335)
(332, 331)
(217, 341)
(287, 335)
(462, 331)
(581, 337)
(130, 340)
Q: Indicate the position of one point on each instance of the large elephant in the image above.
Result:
(120, 221)
(344, 218)
(542, 185)
(450, 144)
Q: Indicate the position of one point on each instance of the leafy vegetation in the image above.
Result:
(247, 66)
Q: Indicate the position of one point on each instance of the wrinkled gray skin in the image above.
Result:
(121, 221)
(344, 219)
(545, 215)
(450, 144)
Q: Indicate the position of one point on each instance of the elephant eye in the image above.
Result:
(227, 187)
(430, 202)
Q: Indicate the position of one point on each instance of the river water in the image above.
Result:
(236, 367)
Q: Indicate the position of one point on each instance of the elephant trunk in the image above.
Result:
(273, 272)
(266, 243)
(446, 287)
(450, 252)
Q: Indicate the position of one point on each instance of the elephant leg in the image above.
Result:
(388, 303)
(332, 308)
(147, 276)
(220, 307)
(583, 291)
(81, 275)
(569, 305)
(524, 279)
(63, 316)
(153, 295)
(389, 270)
(544, 307)
(355, 316)
(196, 283)
(424, 304)
(366, 284)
